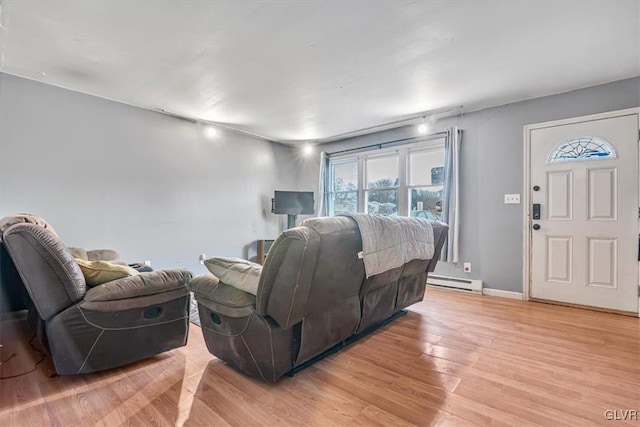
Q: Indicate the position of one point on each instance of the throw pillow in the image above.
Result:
(99, 272)
(236, 272)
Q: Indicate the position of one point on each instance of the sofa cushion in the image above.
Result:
(236, 272)
(27, 218)
(103, 255)
(99, 272)
(79, 253)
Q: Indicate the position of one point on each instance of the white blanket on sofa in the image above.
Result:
(390, 242)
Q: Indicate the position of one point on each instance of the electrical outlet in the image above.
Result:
(147, 263)
(511, 199)
(201, 258)
(467, 267)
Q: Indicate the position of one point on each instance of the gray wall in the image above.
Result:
(492, 165)
(153, 187)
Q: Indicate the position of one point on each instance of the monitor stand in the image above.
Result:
(291, 220)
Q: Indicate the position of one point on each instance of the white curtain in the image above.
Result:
(451, 216)
(322, 185)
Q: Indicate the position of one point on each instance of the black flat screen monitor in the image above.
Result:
(293, 202)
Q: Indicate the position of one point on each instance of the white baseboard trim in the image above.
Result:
(502, 294)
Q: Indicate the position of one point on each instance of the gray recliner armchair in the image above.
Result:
(107, 326)
(312, 294)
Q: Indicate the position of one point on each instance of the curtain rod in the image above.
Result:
(396, 142)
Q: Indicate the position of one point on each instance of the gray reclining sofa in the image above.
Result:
(312, 295)
(109, 325)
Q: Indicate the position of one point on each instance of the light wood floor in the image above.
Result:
(455, 359)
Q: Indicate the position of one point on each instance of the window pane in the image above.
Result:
(382, 172)
(426, 167)
(344, 175)
(427, 202)
(583, 148)
(382, 202)
(342, 203)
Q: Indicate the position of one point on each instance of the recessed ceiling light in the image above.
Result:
(423, 128)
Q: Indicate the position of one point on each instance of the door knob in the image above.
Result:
(536, 226)
(536, 188)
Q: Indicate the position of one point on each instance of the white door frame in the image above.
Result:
(526, 190)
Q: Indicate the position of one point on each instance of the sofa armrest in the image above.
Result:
(143, 284)
(224, 299)
(103, 255)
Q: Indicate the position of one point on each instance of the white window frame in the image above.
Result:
(403, 188)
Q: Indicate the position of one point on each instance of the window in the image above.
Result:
(426, 179)
(583, 148)
(343, 176)
(405, 181)
(382, 181)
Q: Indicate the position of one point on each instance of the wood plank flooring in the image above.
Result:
(455, 359)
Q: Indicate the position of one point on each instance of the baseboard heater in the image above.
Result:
(455, 283)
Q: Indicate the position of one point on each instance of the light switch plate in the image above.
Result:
(511, 199)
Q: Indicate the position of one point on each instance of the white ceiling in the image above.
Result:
(310, 70)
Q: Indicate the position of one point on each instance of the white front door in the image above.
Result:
(584, 179)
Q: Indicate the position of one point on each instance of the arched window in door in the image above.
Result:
(582, 148)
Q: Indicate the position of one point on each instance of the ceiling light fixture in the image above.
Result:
(423, 128)
(308, 149)
(210, 132)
